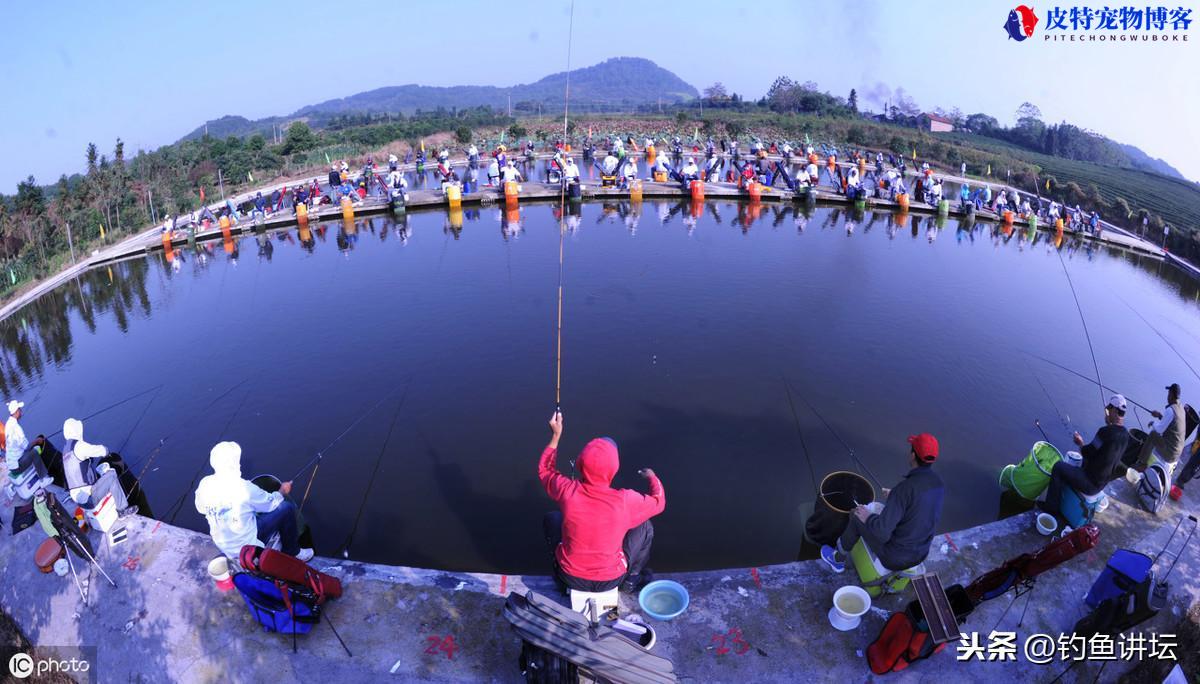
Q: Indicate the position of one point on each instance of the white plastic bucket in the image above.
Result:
(1046, 524)
(218, 570)
(842, 616)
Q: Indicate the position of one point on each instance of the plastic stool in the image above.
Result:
(605, 600)
(876, 578)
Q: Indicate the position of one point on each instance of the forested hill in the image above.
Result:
(617, 82)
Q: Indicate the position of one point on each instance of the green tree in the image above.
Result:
(517, 131)
(462, 134)
(852, 101)
(299, 138)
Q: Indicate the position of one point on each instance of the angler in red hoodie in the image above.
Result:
(602, 536)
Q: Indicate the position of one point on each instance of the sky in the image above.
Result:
(152, 72)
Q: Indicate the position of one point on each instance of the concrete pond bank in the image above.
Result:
(165, 620)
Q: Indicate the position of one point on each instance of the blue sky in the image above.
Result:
(151, 72)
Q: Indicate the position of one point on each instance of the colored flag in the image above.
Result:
(989, 169)
(12, 276)
(110, 276)
(251, 176)
(1047, 185)
(807, 140)
(422, 145)
(101, 231)
(327, 158)
(914, 154)
(202, 195)
(696, 133)
(501, 137)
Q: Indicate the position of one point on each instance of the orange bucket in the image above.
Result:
(698, 190)
(755, 191)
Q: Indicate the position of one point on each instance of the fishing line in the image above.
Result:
(839, 438)
(811, 473)
(1086, 334)
(1160, 336)
(109, 407)
(138, 422)
(362, 505)
(1066, 421)
(178, 505)
(162, 442)
(321, 454)
(1081, 375)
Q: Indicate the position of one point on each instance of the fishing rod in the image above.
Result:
(1081, 375)
(562, 226)
(839, 438)
(110, 407)
(811, 473)
(320, 454)
(1037, 423)
(1160, 336)
(138, 422)
(1087, 335)
(1065, 420)
(374, 472)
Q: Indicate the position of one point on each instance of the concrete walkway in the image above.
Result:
(166, 622)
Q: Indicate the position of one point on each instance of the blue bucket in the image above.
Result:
(663, 599)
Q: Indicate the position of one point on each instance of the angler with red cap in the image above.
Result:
(601, 538)
(901, 533)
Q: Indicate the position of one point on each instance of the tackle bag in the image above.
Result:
(1153, 488)
(899, 645)
(278, 608)
(1128, 591)
(905, 637)
(562, 645)
(280, 567)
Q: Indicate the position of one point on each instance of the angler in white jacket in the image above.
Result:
(240, 513)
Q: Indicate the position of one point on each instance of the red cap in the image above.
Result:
(925, 445)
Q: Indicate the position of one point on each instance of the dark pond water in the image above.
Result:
(679, 332)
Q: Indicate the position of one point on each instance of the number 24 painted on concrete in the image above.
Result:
(439, 644)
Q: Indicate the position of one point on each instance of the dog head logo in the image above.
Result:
(1020, 23)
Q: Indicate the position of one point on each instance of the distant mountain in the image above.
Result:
(1145, 162)
(621, 81)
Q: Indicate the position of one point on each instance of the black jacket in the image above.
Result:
(335, 179)
(909, 518)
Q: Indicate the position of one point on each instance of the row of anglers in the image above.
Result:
(797, 170)
(600, 537)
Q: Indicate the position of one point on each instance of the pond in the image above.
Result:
(685, 329)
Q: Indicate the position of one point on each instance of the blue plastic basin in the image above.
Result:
(663, 599)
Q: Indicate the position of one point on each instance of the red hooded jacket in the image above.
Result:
(596, 516)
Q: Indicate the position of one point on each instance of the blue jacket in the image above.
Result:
(909, 519)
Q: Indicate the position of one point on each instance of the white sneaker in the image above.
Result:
(305, 555)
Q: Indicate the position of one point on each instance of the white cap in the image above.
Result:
(1117, 401)
(14, 406)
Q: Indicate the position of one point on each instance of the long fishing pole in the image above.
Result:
(362, 504)
(562, 226)
(1065, 420)
(1082, 376)
(1037, 423)
(1087, 335)
(839, 438)
(138, 422)
(110, 407)
(321, 454)
(811, 473)
(1160, 336)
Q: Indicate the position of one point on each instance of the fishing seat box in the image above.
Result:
(1078, 509)
(1125, 570)
(876, 578)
